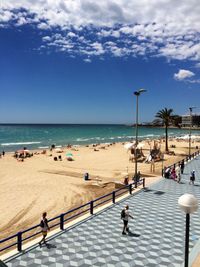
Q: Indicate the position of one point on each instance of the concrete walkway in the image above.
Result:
(157, 237)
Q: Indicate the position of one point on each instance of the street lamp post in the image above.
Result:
(190, 109)
(137, 94)
(162, 158)
(190, 131)
(189, 204)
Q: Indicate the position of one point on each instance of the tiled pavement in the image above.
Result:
(157, 237)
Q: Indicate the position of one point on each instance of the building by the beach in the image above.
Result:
(193, 120)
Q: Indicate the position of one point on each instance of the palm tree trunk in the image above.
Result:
(166, 138)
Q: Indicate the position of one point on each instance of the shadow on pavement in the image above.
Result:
(49, 246)
(132, 234)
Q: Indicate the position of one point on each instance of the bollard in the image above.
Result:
(62, 221)
(91, 207)
(113, 197)
(19, 241)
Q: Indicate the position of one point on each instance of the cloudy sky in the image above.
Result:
(79, 61)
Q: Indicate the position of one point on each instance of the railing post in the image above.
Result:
(19, 241)
(130, 189)
(91, 207)
(113, 197)
(143, 182)
(62, 221)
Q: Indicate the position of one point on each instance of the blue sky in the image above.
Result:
(71, 61)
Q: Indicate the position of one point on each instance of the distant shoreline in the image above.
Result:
(96, 124)
(170, 127)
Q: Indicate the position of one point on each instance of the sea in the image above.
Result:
(41, 136)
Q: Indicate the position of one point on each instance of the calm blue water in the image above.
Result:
(14, 137)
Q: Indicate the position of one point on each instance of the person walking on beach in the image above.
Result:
(44, 228)
(125, 214)
(192, 177)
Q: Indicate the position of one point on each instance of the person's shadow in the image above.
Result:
(49, 246)
(132, 234)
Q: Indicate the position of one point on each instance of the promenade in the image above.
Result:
(157, 237)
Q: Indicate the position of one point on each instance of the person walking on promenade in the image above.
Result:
(182, 165)
(44, 228)
(192, 177)
(178, 175)
(125, 214)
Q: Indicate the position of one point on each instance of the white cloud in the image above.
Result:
(88, 60)
(194, 81)
(183, 74)
(21, 21)
(46, 38)
(71, 34)
(168, 28)
(6, 15)
(173, 13)
(43, 26)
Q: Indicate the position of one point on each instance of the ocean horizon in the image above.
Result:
(14, 136)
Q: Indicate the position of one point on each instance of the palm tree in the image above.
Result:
(166, 116)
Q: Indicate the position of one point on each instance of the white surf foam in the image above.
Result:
(19, 143)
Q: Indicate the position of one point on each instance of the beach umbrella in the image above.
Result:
(69, 155)
(185, 137)
(129, 146)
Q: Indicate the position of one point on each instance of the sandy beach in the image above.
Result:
(41, 184)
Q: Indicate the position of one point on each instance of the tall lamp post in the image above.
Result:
(137, 94)
(190, 109)
(189, 204)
